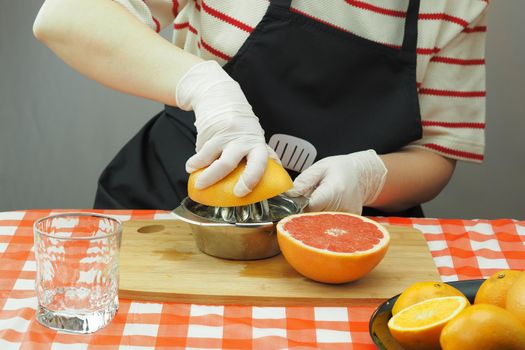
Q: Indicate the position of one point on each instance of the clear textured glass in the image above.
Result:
(77, 271)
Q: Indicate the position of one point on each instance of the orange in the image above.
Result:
(420, 291)
(494, 289)
(274, 182)
(515, 302)
(419, 326)
(483, 326)
(332, 247)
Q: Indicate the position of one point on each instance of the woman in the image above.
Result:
(383, 103)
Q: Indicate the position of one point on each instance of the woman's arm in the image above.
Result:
(391, 182)
(453, 127)
(414, 176)
(101, 40)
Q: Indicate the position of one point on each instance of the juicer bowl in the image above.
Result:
(245, 240)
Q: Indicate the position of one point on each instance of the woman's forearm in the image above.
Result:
(101, 40)
(414, 176)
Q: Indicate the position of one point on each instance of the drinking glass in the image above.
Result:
(77, 271)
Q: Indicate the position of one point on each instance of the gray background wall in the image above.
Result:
(58, 129)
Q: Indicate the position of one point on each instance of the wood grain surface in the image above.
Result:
(160, 262)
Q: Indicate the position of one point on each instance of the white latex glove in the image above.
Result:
(227, 128)
(342, 183)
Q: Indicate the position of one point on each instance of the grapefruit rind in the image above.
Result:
(275, 181)
(327, 266)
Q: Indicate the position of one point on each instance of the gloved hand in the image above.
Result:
(342, 183)
(227, 128)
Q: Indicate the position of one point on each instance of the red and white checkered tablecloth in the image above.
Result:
(462, 249)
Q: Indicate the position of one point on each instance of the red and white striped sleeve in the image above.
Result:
(452, 96)
(156, 14)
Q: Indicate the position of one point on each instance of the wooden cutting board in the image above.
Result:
(160, 262)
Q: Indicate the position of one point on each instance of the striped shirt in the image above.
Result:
(451, 51)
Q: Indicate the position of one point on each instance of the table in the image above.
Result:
(462, 249)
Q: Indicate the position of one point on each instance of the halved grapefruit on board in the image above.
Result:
(332, 247)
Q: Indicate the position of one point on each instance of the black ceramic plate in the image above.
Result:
(378, 322)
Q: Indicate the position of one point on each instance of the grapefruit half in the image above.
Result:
(275, 181)
(332, 247)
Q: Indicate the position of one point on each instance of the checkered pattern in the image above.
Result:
(462, 249)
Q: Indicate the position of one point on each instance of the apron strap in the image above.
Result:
(282, 3)
(411, 22)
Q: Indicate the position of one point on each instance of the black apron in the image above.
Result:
(340, 92)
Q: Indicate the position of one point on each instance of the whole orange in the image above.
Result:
(515, 302)
(494, 289)
(274, 182)
(420, 291)
(483, 326)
